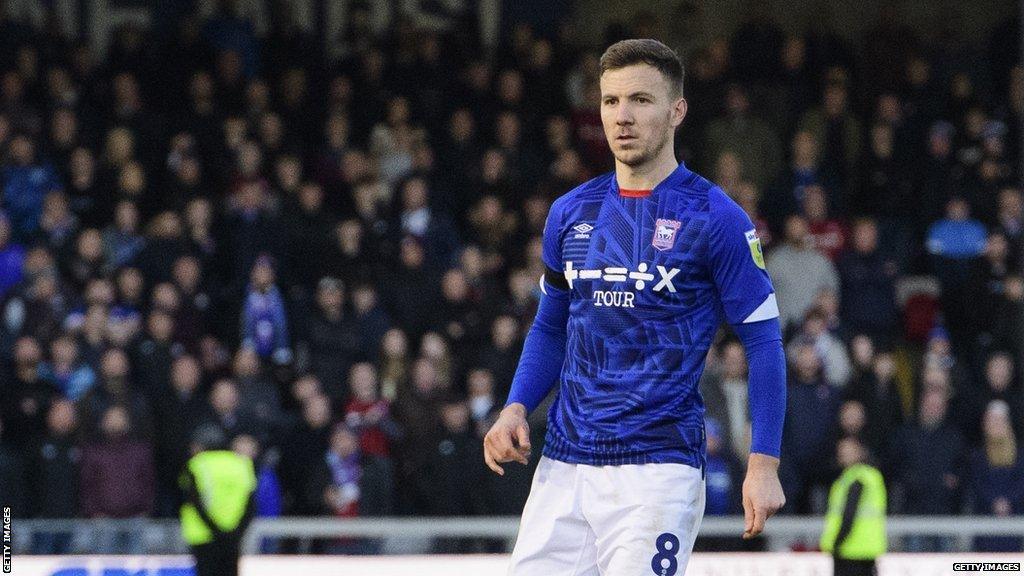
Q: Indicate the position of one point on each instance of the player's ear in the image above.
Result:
(679, 108)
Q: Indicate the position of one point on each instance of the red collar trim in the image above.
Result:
(634, 193)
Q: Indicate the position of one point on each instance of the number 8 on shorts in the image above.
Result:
(665, 562)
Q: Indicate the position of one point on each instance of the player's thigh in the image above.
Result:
(646, 517)
(554, 539)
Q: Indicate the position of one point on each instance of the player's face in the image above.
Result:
(640, 112)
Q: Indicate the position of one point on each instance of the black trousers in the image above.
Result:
(853, 567)
(218, 558)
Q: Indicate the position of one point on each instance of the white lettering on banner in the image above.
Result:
(618, 299)
(641, 277)
(615, 274)
(666, 279)
(621, 274)
(570, 274)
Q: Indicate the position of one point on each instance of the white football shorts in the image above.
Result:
(625, 520)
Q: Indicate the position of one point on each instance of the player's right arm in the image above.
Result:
(541, 361)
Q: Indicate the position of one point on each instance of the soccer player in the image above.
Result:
(642, 265)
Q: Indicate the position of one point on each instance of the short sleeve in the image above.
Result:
(737, 263)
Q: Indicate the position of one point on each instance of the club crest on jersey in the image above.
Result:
(665, 233)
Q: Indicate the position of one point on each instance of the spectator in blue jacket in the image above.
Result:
(66, 370)
(956, 244)
(12, 258)
(26, 181)
(724, 473)
(957, 236)
(268, 495)
(264, 319)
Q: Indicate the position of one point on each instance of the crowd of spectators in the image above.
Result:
(336, 259)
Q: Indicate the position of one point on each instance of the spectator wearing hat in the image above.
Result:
(996, 475)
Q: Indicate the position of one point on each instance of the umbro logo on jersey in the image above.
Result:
(582, 230)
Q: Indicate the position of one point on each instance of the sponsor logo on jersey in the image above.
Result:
(755, 248)
(617, 298)
(665, 233)
(641, 279)
(582, 230)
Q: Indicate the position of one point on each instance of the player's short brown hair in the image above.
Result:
(645, 51)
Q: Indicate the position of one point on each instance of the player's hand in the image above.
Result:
(508, 439)
(762, 493)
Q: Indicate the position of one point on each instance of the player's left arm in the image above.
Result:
(748, 299)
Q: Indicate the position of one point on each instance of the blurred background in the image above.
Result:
(316, 224)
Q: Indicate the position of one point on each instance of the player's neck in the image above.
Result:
(647, 175)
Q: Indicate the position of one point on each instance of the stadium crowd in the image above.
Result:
(333, 255)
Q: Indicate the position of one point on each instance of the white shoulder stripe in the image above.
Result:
(542, 288)
(766, 311)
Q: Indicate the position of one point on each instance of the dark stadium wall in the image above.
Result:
(689, 23)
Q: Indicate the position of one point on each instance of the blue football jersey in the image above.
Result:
(650, 279)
